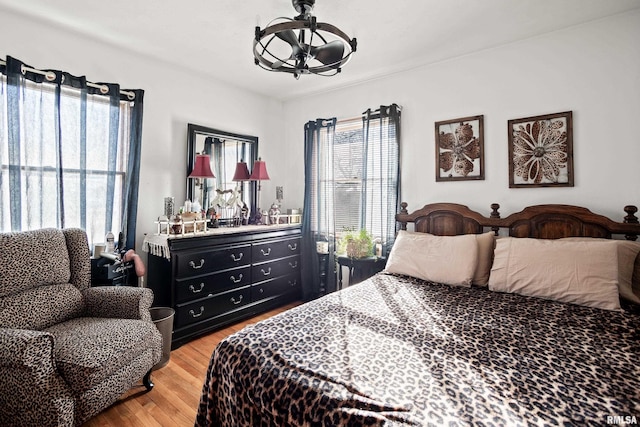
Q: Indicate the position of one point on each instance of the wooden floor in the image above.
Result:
(174, 399)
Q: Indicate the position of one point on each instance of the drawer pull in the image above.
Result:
(194, 290)
(233, 300)
(293, 247)
(234, 280)
(261, 290)
(237, 258)
(294, 283)
(266, 273)
(268, 251)
(294, 265)
(193, 313)
(193, 264)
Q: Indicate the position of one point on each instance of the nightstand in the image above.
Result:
(359, 268)
(110, 273)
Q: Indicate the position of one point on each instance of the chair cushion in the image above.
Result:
(41, 307)
(89, 349)
(29, 259)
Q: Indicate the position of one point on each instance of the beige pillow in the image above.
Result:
(635, 280)
(577, 272)
(628, 261)
(486, 244)
(441, 259)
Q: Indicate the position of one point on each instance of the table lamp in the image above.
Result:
(259, 173)
(201, 171)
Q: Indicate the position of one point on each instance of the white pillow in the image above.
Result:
(577, 272)
(628, 257)
(442, 259)
(486, 244)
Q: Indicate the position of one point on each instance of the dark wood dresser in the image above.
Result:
(225, 275)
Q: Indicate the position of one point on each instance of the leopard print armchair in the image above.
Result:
(67, 350)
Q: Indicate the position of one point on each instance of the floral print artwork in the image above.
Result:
(540, 150)
(459, 148)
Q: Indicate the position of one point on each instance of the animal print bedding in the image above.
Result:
(399, 351)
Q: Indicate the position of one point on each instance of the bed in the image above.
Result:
(404, 349)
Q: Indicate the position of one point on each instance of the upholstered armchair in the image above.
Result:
(67, 350)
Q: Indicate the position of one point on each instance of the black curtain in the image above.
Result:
(381, 186)
(317, 214)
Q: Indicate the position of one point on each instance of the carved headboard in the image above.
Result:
(540, 221)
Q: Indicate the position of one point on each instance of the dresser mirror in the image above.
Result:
(225, 150)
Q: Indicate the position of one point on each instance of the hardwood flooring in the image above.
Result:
(175, 397)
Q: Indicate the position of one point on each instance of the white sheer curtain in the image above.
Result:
(64, 156)
(381, 183)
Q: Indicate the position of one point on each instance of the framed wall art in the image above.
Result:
(541, 151)
(460, 149)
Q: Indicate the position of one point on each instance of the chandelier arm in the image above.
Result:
(298, 25)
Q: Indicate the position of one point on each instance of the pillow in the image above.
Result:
(486, 244)
(635, 279)
(628, 266)
(577, 272)
(442, 259)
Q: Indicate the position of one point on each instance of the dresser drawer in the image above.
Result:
(274, 249)
(271, 270)
(203, 262)
(202, 286)
(212, 306)
(272, 288)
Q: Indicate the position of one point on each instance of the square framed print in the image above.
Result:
(541, 151)
(460, 149)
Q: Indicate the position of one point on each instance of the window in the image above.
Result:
(352, 180)
(68, 157)
(348, 179)
(359, 181)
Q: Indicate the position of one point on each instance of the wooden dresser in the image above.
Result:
(225, 275)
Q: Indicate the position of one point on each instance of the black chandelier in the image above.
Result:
(302, 45)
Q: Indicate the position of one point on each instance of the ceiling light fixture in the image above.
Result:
(302, 45)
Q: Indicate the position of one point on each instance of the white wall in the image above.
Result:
(173, 98)
(592, 69)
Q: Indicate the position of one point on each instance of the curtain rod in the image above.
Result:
(358, 118)
(50, 76)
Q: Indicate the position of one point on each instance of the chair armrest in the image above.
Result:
(120, 302)
(32, 392)
(24, 348)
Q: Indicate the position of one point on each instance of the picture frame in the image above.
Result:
(460, 149)
(541, 151)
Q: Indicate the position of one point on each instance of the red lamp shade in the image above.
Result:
(242, 172)
(259, 172)
(202, 167)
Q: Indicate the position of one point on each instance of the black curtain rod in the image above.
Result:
(50, 76)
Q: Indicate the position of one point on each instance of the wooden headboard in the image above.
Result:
(539, 221)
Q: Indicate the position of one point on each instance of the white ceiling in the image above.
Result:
(214, 37)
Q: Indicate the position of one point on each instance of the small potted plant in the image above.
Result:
(356, 244)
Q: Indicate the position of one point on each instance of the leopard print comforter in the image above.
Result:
(399, 351)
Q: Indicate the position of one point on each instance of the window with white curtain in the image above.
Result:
(65, 159)
(357, 190)
(348, 175)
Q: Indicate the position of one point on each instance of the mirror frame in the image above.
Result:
(193, 130)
